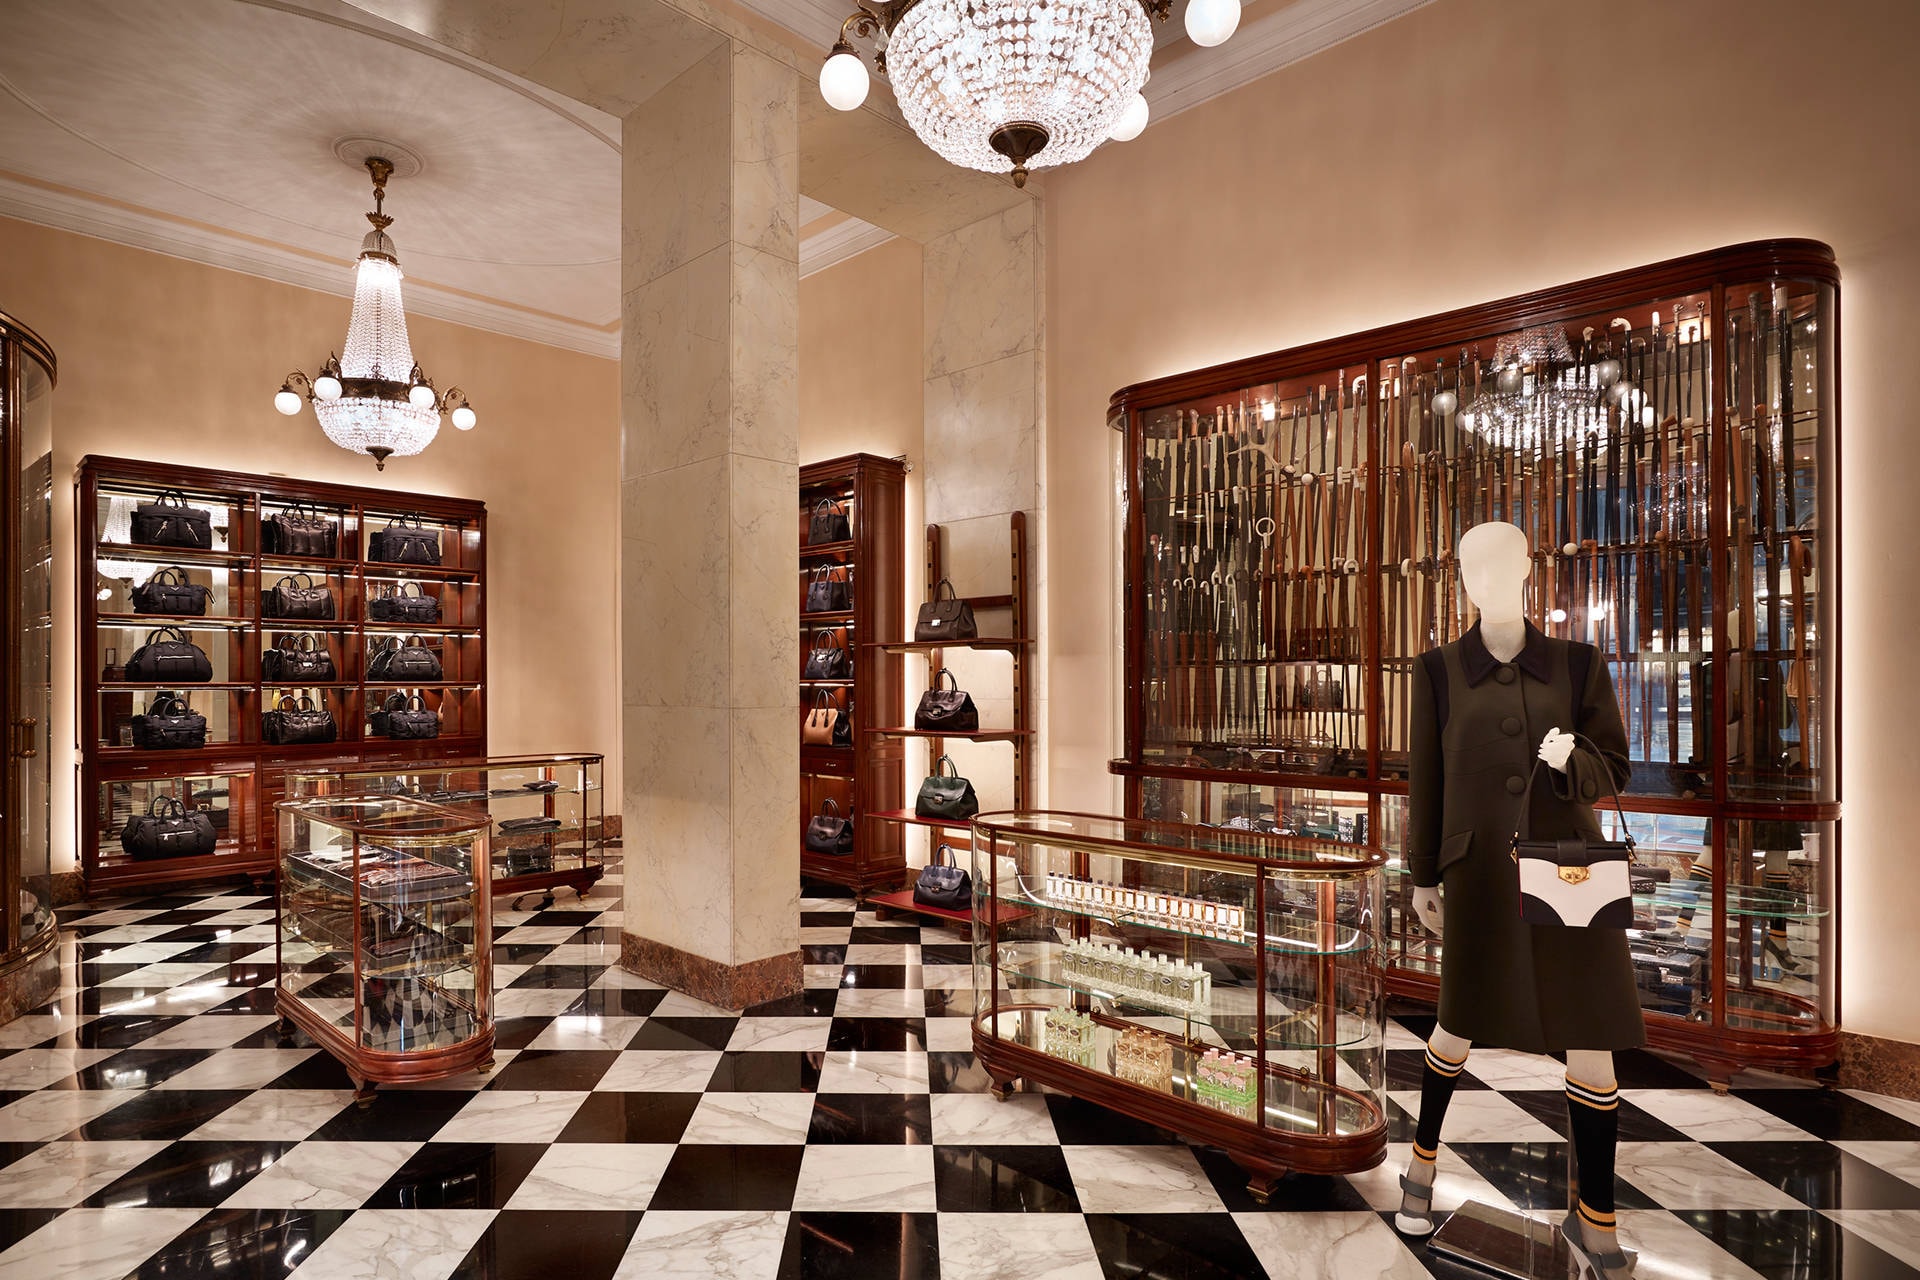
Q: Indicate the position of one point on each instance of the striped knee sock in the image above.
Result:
(1437, 1079)
(1595, 1114)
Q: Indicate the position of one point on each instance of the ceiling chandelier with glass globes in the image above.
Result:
(375, 400)
(1008, 86)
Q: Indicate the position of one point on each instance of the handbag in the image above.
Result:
(292, 723)
(168, 521)
(403, 543)
(403, 663)
(529, 826)
(169, 725)
(295, 596)
(168, 657)
(829, 523)
(1576, 882)
(943, 884)
(168, 591)
(948, 619)
(828, 832)
(818, 729)
(168, 829)
(828, 659)
(945, 794)
(419, 609)
(296, 660)
(843, 726)
(828, 593)
(300, 531)
(946, 710)
(401, 719)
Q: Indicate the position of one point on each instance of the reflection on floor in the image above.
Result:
(150, 1125)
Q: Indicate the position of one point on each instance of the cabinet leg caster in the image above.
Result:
(363, 1093)
(1002, 1089)
(1721, 1087)
(1261, 1186)
(485, 1067)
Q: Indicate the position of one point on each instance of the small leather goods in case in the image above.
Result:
(169, 725)
(168, 829)
(946, 708)
(829, 589)
(828, 832)
(945, 794)
(292, 723)
(1574, 882)
(168, 591)
(828, 659)
(406, 719)
(402, 542)
(943, 884)
(817, 730)
(297, 659)
(417, 608)
(396, 662)
(945, 617)
(168, 657)
(828, 523)
(168, 521)
(300, 530)
(296, 597)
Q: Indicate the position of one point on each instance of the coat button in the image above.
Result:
(1510, 726)
(1589, 789)
(1504, 675)
(1516, 784)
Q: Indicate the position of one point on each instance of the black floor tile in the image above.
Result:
(188, 1175)
(617, 1002)
(811, 1003)
(113, 1031)
(858, 1246)
(271, 1037)
(135, 1069)
(1405, 1068)
(597, 935)
(243, 1244)
(217, 952)
(1010, 1179)
(1533, 1175)
(729, 1178)
(412, 1115)
(577, 915)
(871, 1118)
(518, 1033)
(631, 1117)
(315, 1071)
(1171, 1246)
(158, 1114)
(768, 1071)
(1639, 1069)
(1830, 1114)
(585, 1245)
(258, 1000)
(563, 1069)
(684, 1033)
(1295, 1193)
(956, 1072)
(1821, 1176)
(886, 935)
(459, 1175)
(1549, 1107)
(516, 953)
(814, 953)
(946, 953)
(875, 1035)
(558, 977)
(1082, 1123)
(17, 1224)
(880, 977)
(827, 919)
(1795, 1244)
(1401, 1123)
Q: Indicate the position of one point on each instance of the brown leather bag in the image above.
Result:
(818, 729)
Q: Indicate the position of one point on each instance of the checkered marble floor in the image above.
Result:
(151, 1125)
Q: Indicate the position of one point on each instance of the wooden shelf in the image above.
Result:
(1004, 644)
(979, 735)
(912, 819)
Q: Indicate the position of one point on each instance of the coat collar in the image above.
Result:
(1478, 663)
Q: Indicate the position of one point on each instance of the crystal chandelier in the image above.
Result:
(1543, 396)
(1007, 86)
(375, 400)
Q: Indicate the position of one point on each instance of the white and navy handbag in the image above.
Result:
(1575, 882)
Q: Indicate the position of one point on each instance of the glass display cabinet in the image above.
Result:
(546, 814)
(1667, 437)
(29, 956)
(385, 936)
(1222, 984)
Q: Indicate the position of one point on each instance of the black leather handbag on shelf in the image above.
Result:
(418, 609)
(295, 597)
(168, 591)
(817, 730)
(295, 722)
(1577, 882)
(217, 813)
(297, 659)
(300, 530)
(168, 521)
(828, 659)
(169, 725)
(828, 591)
(402, 542)
(843, 726)
(168, 829)
(408, 662)
(829, 523)
(168, 657)
(406, 718)
(949, 618)
(945, 794)
(828, 832)
(946, 708)
(943, 884)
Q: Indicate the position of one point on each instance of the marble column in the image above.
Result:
(709, 430)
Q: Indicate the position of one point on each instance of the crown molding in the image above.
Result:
(837, 243)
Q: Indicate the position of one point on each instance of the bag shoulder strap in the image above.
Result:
(1523, 826)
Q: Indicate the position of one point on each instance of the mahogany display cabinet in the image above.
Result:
(239, 774)
(1668, 437)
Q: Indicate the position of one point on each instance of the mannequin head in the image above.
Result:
(1494, 564)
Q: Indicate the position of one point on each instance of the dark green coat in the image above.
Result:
(1477, 725)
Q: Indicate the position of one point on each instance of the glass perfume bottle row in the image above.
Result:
(1157, 981)
(1196, 915)
(1225, 1082)
(1069, 1035)
(1144, 1058)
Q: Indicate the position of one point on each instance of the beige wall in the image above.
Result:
(166, 359)
(1459, 155)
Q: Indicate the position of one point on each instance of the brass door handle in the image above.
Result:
(26, 750)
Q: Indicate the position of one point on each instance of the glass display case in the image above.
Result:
(385, 936)
(1667, 438)
(1223, 984)
(546, 814)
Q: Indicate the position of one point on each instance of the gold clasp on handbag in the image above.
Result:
(1575, 875)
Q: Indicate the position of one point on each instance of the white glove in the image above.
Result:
(1426, 905)
(1555, 748)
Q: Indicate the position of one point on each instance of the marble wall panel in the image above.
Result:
(982, 434)
(679, 889)
(764, 773)
(766, 155)
(764, 354)
(762, 645)
(676, 173)
(676, 604)
(676, 381)
(982, 296)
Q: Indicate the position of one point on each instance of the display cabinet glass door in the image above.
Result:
(26, 432)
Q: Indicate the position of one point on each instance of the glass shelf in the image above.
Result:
(1290, 936)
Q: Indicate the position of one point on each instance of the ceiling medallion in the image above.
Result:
(375, 400)
(1008, 86)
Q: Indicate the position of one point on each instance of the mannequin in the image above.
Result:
(1484, 709)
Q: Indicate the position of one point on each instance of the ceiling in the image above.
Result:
(213, 130)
